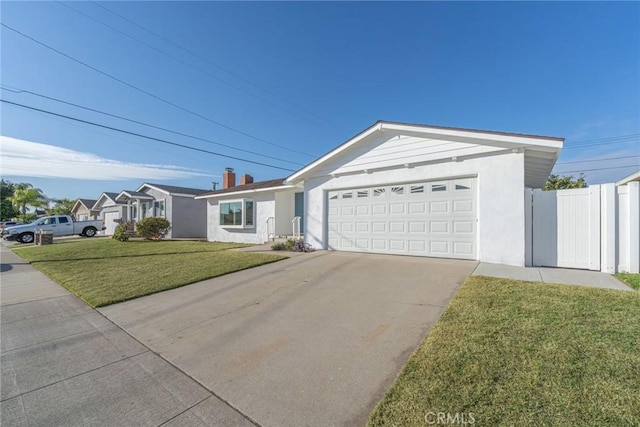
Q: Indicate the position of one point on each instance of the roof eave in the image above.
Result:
(500, 139)
(241, 192)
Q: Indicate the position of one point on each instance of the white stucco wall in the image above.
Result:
(265, 208)
(501, 215)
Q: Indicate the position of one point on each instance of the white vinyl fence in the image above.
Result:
(594, 228)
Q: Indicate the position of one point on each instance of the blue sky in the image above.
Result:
(286, 82)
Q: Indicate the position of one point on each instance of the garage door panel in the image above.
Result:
(462, 248)
(439, 207)
(419, 246)
(439, 247)
(396, 227)
(379, 227)
(397, 208)
(397, 245)
(379, 209)
(417, 227)
(439, 226)
(362, 210)
(463, 227)
(465, 206)
(428, 219)
(417, 208)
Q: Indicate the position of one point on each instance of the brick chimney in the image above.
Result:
(246, 179)
(228, 178)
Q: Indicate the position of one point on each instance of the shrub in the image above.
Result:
(121, 233)
(279, 246)
(152, 228)
(294, 245)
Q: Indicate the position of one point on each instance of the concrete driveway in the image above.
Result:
(313, 340)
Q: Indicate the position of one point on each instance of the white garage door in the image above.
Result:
(436, 219)
(109, 217)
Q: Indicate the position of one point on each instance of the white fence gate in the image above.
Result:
(567, 228)
(594, 228)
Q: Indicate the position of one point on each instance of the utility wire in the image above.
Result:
(218, 66)
(184, 62)
(631, 135)
(159, 98)
(612, 142)
(18, 90)
(596, 160)
(600, 169)
(164, 141)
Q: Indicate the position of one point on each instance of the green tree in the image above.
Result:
(25, 195)
(61, 207)
(557, 182)
(7, 211)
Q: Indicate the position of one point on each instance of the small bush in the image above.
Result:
(152, 228)
(121, 233)
(294, 245)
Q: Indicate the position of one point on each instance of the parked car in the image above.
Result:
(60, 225)
(6, 224)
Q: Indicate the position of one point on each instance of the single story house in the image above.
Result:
(83, 210)
(111, 211)
(398, 188)
(177, 204)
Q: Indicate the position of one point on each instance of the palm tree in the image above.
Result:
(25, 195)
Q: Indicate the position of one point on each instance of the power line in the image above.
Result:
(182, 61)
(145, 124)
(218, 66)
(596, 160)
(612, 142)
(164, 141)
(600, 169)
(159, 98)
(634, 135)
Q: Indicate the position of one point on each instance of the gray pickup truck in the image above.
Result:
(60, 225)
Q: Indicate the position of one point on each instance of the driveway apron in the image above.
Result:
(311, 340)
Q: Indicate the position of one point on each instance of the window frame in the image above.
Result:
(157, 203)
(243, 214)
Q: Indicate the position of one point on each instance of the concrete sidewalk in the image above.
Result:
(63, 363)
(563, 276)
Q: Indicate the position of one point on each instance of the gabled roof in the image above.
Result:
(273, 184)
(104, 196)
(87, 203)
(173, 189)
(627, 179)
(127, 194)
(540, 165)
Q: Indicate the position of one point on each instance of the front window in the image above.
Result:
(237, 213)
(158, 208)
(144, 207)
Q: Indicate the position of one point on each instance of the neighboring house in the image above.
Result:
(83, 210)
(188, 216)
(111, 211)
(398, 188)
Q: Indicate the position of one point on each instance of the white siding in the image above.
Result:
(389, 150)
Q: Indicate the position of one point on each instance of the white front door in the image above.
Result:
(431, 218)
(109, 218)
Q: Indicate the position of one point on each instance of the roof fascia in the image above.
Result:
(235, 193)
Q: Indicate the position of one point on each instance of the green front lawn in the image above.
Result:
(631, 279)
(105, 271)
(511, 353)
